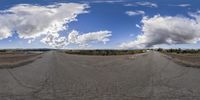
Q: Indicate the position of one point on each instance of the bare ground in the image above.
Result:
(188, 60)
(12, 60)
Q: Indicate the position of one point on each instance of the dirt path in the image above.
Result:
(58, 76)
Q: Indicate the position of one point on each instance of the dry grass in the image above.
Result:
(189, 60)
(12, 60)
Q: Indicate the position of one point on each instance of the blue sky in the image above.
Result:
(100, 24)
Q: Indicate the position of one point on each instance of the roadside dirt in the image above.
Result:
(188, 60)
(12, 60)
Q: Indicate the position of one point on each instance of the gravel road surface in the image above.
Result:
(59, 76)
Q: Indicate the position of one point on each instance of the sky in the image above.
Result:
(100, 24)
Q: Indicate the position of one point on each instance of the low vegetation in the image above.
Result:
(179, 51)
(104, 52)
(2, 51)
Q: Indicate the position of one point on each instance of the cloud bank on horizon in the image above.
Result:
(50, 24)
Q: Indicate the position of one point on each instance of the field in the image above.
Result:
(14, 59)
(187, 59)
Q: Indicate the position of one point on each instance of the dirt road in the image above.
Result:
(58, 76)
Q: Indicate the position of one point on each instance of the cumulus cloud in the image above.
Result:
(134, 13)
(166, 30)
(84, 39)
(181, 5)
(145, 4)
(32, 21)
(56, 41)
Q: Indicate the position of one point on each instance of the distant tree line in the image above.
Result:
(23, 50)
(104, 52)
(179, 50)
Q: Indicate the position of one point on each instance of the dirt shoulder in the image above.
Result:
(12, 60)
(188, 60)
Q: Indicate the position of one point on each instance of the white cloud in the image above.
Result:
(84, 39)
(181, 5)
(31, 21)
(56, 41)
(166, 30)
(129, 4)
(108, 1)
(138, 26)
(145, 4)
(134, 13)
(45, 22)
